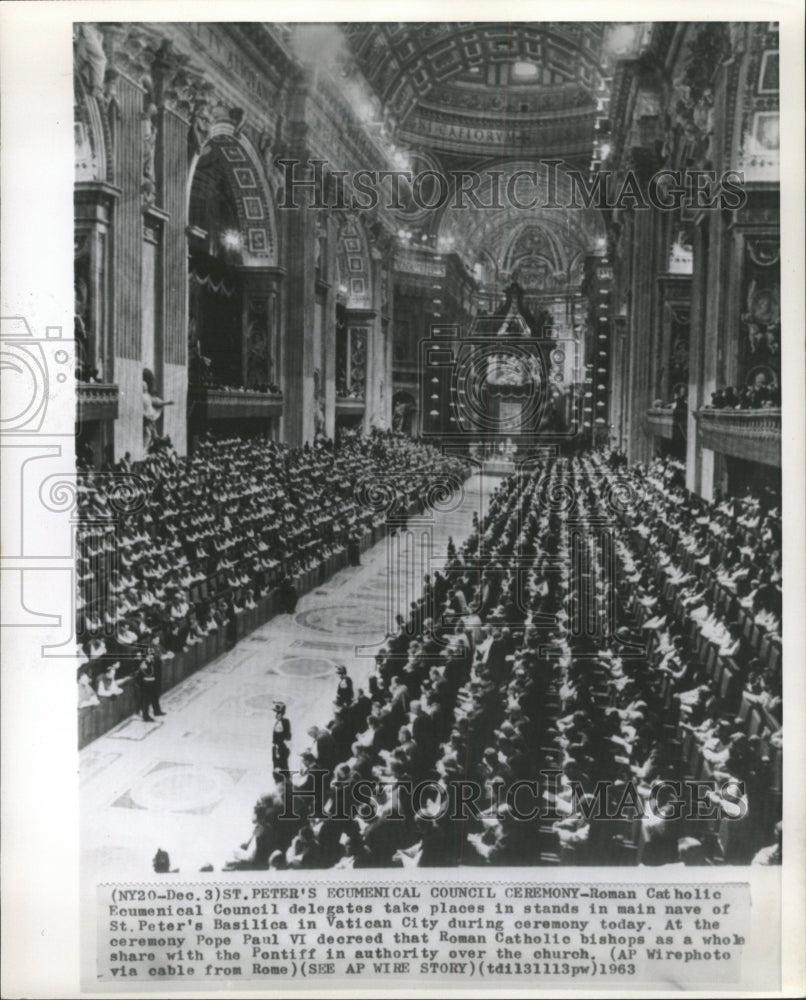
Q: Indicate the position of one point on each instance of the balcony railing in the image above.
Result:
(349, 405)
(660, 422)
(754, 435)
(97, 401)
(233, 404)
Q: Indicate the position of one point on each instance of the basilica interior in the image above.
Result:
(190, 267)
(317, 266)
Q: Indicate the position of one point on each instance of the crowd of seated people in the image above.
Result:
(173, 549)
(588, 631)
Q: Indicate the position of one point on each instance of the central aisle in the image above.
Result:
(188, 782)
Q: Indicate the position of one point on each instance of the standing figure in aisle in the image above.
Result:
(148, 681)
(354, 546)
(281, 736)
(344, 691)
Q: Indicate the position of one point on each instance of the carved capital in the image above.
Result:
(130, 49)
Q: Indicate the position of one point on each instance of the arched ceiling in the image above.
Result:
(503, 87)
(475, 101)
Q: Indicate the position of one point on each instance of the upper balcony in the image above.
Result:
(233, 404)
(754, 435)
(97, 401)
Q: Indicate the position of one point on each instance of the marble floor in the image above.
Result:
(187, 783)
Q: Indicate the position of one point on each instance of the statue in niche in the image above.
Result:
(200, 121)
(762, 320)
(148, 186)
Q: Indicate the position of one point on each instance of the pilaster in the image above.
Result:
(127, 268)
(172, 344)
(298, 381)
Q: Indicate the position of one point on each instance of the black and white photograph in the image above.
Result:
(413, 539)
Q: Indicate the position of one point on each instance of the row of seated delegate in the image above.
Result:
(177, 551)
(568, 643)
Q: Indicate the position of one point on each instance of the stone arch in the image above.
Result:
(354, 266)
(251, 194)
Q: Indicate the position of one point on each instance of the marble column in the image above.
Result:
(708, 467)
(642, 333)
(298, 387)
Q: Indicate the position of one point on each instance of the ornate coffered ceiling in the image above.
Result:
(472, 87)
